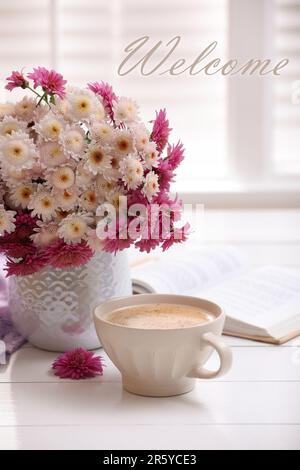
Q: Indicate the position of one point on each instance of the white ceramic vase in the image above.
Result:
(53, 308)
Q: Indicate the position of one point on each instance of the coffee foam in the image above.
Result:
(160, 316)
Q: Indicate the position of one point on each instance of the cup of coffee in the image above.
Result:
(160, 343)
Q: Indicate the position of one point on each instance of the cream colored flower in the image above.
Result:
(25, 109)
(50, 127)
(151, 185)
(150, 155)
(14, 177)
(46, 233)
(62, 177)
(84, 177)
(6, 109)
(93, 241)
(104, 185)
(132, 172)
(10, 125)
(7, 221)
(43, 204)
(141, 136)
(52, 154)
(73, 141)
(73, 228)
(113, 173)
(89, 200)
(113, 197)
(82, 104)
(102, 131)
(99, 113)
(123, 143)
(66, 199)
(125, 111)
(97, 159)
(17, 151)
(20, 195)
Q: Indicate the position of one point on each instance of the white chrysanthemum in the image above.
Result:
(84, 177)
(50, 127)
(43, 204)
(113, 197)
(40, 112)
(123, 143)
(151, 185)
(46, 233)
(82, 104)
(97, 159)
(102, 131)
(52, 154)
(14, 177)
(2, 191)
(6, 109)
(73, 141)
(99, 113)
(104, 185)
(93, 241)
(66, 199)
(132, 172)
(89, 200)
(61, 108)
(73, 228)
(17, 151)
(113, 173)
(141, 136)
(20, 195)
(10, 125)
(61, 178)
(125, 111)
(150, 155)
(7, 221)
(25, 109)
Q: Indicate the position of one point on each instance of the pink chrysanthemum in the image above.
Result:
(178, 235)
(61, 255)
(78, 364)
(161, 130)
(114, 245)
(107, 94)
(52, 82)
(30, 264)
(16, 80)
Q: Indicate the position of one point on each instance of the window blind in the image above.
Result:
(92, 35)
(25, 37)
(286, 154)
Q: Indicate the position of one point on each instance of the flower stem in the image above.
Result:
(33, 91)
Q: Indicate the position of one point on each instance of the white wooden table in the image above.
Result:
(256, 406)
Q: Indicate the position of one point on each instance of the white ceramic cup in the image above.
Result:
(163, 362)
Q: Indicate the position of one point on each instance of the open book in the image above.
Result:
(261, 304)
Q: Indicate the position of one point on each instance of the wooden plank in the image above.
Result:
(206, 437)
(90, 403)
(269, 363)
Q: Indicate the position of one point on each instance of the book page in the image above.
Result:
(189, 270)
(261, 297)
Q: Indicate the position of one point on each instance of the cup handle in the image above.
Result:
(225, 356)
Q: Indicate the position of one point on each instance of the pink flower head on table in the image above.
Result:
(52, 82)
(16, 80)
(78, 364)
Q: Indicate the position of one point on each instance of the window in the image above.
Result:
(236, 130)
(286, 138)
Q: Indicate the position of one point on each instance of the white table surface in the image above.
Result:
(256, 406)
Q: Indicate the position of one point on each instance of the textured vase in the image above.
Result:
(53, 308)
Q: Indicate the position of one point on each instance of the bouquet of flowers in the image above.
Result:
(69, 157)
